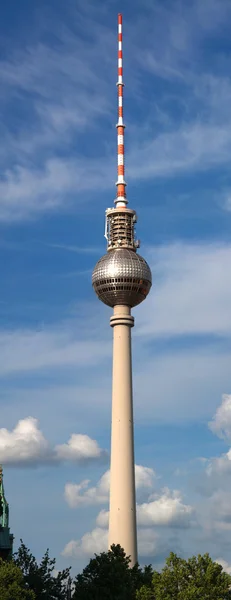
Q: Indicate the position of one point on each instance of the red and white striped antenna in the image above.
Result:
(121, 200)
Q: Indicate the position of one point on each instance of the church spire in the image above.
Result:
(4, 507)
(6, 538)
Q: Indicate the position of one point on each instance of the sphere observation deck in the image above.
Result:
(122, 277)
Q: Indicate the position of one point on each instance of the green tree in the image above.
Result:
(145, 593)
(108, 576)
(141, 577)
(41, 578)
(198, 578)
(12, 585)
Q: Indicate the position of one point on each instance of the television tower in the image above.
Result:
(122, 279)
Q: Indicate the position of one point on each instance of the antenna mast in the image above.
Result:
(121, 200)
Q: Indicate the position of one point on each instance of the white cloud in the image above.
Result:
(79, 447)
(220, 466)
(96, 541)
(221, 423)
(82, 494)
(217, 468)
(165, 509)
(225, 565)
(145, 477)
(102, 519)
(26, 445)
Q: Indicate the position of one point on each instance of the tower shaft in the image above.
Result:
(122, 516)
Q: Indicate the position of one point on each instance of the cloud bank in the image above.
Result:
(163, 509)
(82, 494)
(26, 445)
(221, 422)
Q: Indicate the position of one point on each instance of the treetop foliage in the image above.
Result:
(198, 578)
(41, 578)
(12, 584)
(109, 576)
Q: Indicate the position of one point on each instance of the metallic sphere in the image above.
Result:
(122, 277)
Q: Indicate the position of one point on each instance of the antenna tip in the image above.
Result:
(119, 19)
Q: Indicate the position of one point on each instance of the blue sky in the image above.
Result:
(58, 71)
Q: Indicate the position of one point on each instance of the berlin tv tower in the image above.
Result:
(122, 279)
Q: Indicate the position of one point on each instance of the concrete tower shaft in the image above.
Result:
(122, 514)
(122, 279)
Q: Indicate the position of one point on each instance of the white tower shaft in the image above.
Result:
(122, 516)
